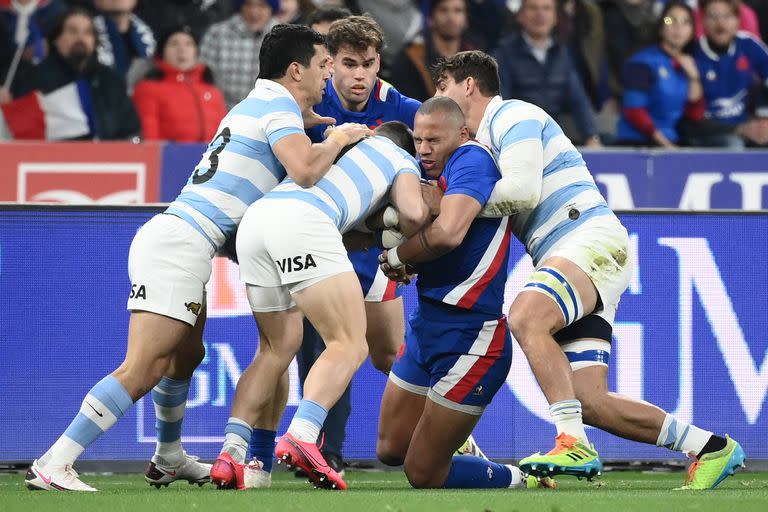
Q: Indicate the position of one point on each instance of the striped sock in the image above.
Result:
(682, 437)
(104, 404)
(263, 446)
(567, 417)
(237, 434)
(307, 421)
(170, 399)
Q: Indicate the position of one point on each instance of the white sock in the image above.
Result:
(518, 479)
(682, 437)
(64, 451)
(304, 430)
(236, 439)
(567, 417)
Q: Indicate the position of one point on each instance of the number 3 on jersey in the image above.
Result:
(198, 178)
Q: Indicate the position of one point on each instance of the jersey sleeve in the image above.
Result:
(471, 171)
(283, 120)
(407, 165)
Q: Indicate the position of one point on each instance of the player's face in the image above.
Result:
(315, 76)
(436, 138)
(447, 86)
(354, 75)
(677, 29)
(180, 51)
(720, 23)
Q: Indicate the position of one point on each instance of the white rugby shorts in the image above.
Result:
(284, 246)
(599, 247)
(169, 264)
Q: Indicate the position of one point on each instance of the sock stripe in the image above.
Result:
(83, 430)
(239, 428)
(170, 414)
(172, 386)
(168, 400)
(113, 395)
(168, 431)
(312, 412)
(682, 437)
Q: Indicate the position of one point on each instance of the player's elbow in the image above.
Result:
(413, 219)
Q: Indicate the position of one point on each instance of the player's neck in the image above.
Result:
(295, 91)
(476, 112)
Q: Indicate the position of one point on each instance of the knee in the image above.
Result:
(383, 361)
(197, 355)
(139, 381)
(387, 453)
(520, 324)
(422, 477)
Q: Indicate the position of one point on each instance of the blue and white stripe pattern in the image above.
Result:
(170, 399)
(104, 404)
(584, 353)
(239, 162)
(356, 185)
(567, 184)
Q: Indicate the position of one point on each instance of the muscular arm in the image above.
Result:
(457, 211)
(405, 196)
(305, 162)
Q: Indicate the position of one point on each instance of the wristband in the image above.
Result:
(393, 259)
(340, 138)
(391, 218)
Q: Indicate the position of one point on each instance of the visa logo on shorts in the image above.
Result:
(296, 263)
(138, 292)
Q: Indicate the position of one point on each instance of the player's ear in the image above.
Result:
(464, 134)
(469, 86)
(295, 71)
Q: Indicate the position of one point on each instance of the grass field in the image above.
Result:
(390, 492)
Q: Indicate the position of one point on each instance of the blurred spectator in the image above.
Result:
(164, 15)
(729, 63)
(177, 101)
(661, 83)
(401, 22)
(747, 20)
(70, 95)
(534, 67)
(580, 29)
(295, 11)
(320, 20)
(125, 42)
(37, 16)
(231, 48)
(629, 26)
(444, 36)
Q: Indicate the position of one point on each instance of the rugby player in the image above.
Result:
(563, 317)
(295, 265)
(259, 141)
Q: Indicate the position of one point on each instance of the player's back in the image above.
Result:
(239, 165)
(356, 185)
(568, 196)
(471, 276)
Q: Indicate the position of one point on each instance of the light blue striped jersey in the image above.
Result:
(239, 165)
(569, 196)
(356, 185)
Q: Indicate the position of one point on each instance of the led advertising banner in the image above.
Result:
(689, 337)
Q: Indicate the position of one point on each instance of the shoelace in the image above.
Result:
(562, 442)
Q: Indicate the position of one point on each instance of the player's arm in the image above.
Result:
(521, 164)
(305, 162)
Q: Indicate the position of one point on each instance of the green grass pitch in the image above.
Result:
(390, 492)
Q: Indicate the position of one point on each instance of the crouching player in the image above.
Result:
(294, 263)
(458, 349)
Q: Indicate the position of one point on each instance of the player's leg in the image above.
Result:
(169, 264)
(261, 390)
(334, 305)
(170, 462)
(385, 332)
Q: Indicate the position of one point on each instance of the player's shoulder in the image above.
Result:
(384, 92)
(472, 154)
(266, 97)
(507, 113)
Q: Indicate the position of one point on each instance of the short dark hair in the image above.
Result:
(285, 44)
(328, 14)
(357, 32)
(476, 64)
(58, 27)
(399, 133)
(434, 4)
(445, 105)
(735, 5)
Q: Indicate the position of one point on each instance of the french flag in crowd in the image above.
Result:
(64, 113)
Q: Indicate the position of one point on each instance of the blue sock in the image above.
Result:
(263, 446)
(104, 404)
(170, 399)
(307, 421)
(470, 472)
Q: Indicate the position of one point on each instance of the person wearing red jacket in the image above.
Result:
(177, 100)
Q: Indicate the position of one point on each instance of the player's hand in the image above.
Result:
(353, 131)
(312, 119)
(399, 275)
(432, 195)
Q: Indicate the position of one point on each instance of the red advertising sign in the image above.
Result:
(80, 172)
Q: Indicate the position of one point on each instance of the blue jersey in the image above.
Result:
(727, 78)
(472, 276)
(654, 81)
(569, 196)
(239, 166)
(385, 104)
(356, 185)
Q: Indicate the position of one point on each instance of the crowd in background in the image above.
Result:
(623, 72)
